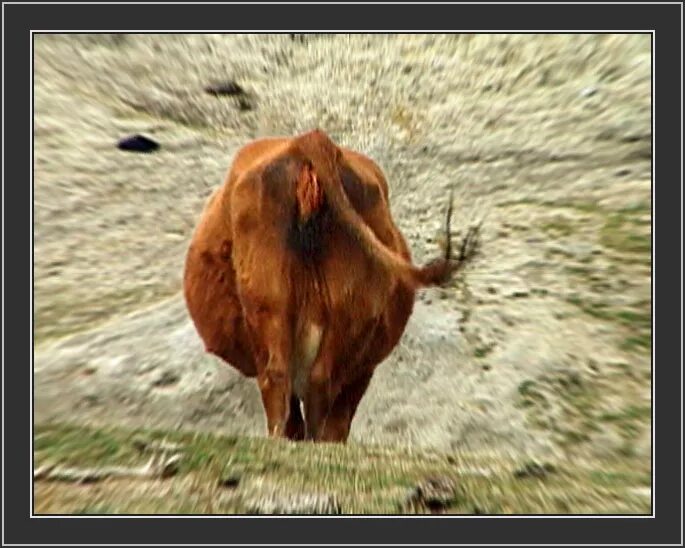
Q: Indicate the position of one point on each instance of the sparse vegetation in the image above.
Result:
(361, 480)
(484, 350)
(637, 321)
(622, 233)
(558, 228)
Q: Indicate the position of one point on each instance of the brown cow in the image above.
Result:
(297, 275)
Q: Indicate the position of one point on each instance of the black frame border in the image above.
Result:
(18, 21)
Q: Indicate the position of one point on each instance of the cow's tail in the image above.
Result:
(322, 178)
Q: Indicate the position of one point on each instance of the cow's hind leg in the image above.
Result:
(339, 420)
(331, 402)
(271, 340)
(275, 388)
(318, 400)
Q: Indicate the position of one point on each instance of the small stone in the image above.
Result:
(171, 466)
(231, 481)
(641, 491)
(588, 91)
(166, 379)
(42, 471)
(244, 104)
(434, 494)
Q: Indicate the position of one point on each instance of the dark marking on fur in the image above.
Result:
(278, 179)
(207, 257)
(225, 252)
(362, 196)
(308, 238)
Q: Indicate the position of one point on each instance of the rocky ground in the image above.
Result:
(541, 347)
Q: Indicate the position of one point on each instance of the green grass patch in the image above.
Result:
(632, 412)
(530, 394)
(625, 233)
(362, 479)
(637, 320)
(612, 479)
(484, 350)
(558, 227)
(639, 343)
(578, 205)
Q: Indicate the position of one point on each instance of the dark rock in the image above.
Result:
(225, 88)
(171, 466)
(137, 143)
(519, 294)
(231, 481)
(434, 494)
(245, 104)
(245, 101)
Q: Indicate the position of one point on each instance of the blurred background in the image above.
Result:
(539, 352)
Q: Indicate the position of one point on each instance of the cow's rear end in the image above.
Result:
(312, 298)
(297, 275)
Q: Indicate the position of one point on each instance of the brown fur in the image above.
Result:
(297, 275)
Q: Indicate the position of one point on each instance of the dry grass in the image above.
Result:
(221, 475)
